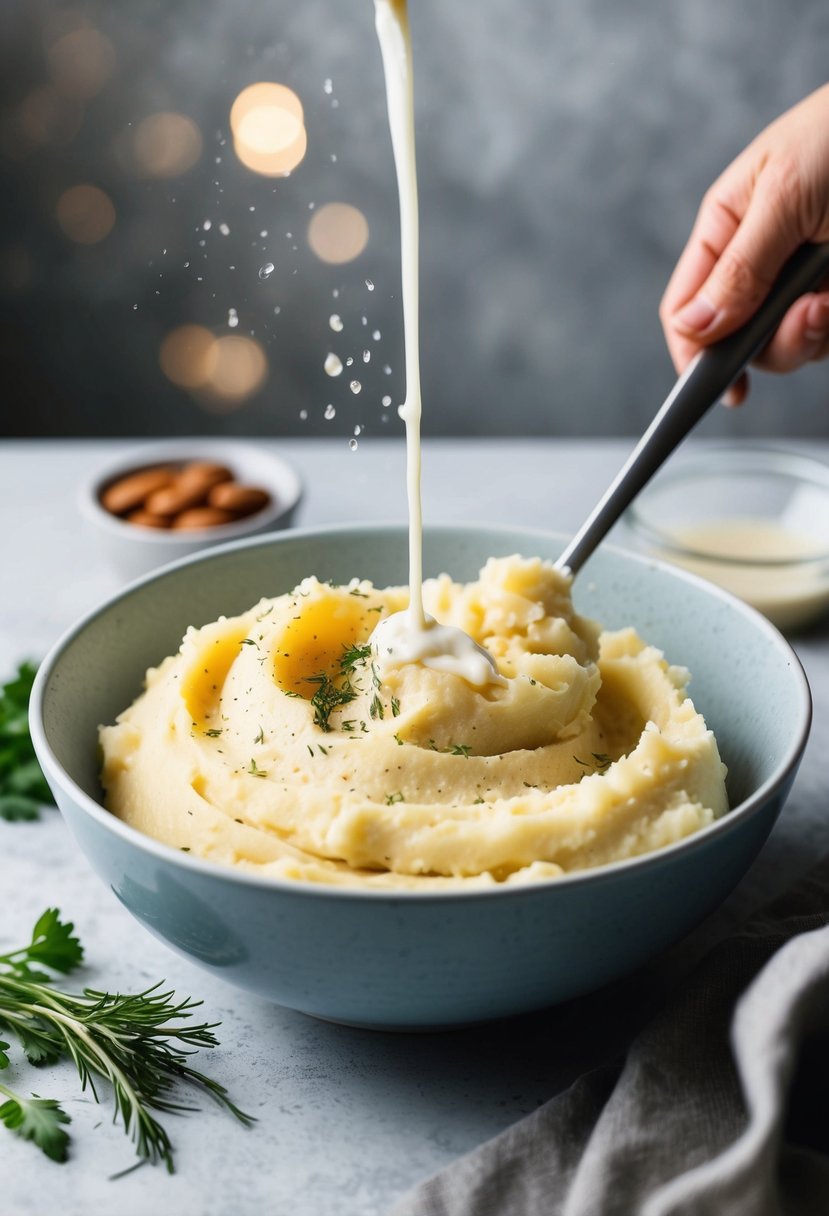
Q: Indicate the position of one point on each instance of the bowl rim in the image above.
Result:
(712, 462)
(298, 887)
(285, 477)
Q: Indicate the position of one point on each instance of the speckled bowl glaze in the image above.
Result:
(424, 960)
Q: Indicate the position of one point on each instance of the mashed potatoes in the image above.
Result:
(269, 742)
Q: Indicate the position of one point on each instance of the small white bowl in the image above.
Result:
(753, 519)
(134, 550)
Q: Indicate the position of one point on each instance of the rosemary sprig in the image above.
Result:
(139, 1043)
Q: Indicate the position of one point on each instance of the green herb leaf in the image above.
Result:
(23, 788)
(36, 1119)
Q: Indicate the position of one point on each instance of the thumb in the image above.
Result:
(745, 270)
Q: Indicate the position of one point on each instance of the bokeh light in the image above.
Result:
(45, 118)
(240, 370)
(86, 214)
(165, 145)
(81, 62)
(187, 356)
(268, 127)
(220, 372)
(338, 233)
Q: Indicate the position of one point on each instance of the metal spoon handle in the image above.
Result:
(699, 387)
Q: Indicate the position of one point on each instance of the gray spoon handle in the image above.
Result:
(699, 387)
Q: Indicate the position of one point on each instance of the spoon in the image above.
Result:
(700, 386)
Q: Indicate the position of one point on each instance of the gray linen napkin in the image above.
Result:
(721, 1107)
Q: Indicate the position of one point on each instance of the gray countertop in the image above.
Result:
(347, 1119)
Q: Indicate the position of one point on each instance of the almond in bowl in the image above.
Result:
(181, 496)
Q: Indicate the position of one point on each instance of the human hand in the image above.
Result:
(770, 200)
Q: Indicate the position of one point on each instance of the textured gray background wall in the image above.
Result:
(563, 148)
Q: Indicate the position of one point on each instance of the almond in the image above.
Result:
(201, 517)
(204, 473)
(145, 519)
(241, 500)
(130, 492)
(178, 497)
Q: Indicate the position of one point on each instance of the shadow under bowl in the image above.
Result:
(411, 960)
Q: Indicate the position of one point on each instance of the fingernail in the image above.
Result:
(697, 316)
(729, 398)
(817, 320)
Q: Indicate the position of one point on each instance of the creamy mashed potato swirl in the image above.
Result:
(269, 742)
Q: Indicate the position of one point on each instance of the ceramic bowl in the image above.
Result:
(753, 519)
(420, 960)
(135, 550)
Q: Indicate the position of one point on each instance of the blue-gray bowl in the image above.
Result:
(418, 960)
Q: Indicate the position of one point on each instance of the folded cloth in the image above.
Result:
(720, 1108)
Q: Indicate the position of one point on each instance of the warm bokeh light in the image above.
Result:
(164, 145)
(221, 372)
(268, 127)
(187, 356)
(338, 233)
(81, 62)
(240, 370)
(85, 214)
(47, 119)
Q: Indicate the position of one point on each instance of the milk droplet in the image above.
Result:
(335, 293)
(232, 318)
(223, 228)
(366, 356)
(135, 308)
(357, 429)
(349, 361)
(333, 365)
(355, 386)
(251, 208)
(387, 370)
(336, 323)
(352, 443)
(329, 412)
(364, 320)
(266, 271)
(333, 158)
(369, 285)
(303, 414)
(207, 225)
(277, 310)
(376, 335)
(328, 85)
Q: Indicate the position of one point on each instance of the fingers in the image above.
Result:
(739, 281)
(802, 337)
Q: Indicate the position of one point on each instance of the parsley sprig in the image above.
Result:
(23, 788)
(140, 1043)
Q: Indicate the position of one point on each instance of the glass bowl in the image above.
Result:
(754, 520)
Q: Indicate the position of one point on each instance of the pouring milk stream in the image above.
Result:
(413, 636)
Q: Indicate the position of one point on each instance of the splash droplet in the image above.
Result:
(264, 232)
(386, 402)
(266, 271)
(207, 225)
(366, 356)
(333, 365)
(369, 285)
(376, 335)
(303, 414)
(352, 443)
(349, 361)
(329, 412)
(336, 323)
(232, 318)
(355, 386)
(387, 370)
(328, 86)
(223, 228)
(357, 429)
(335, 293)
